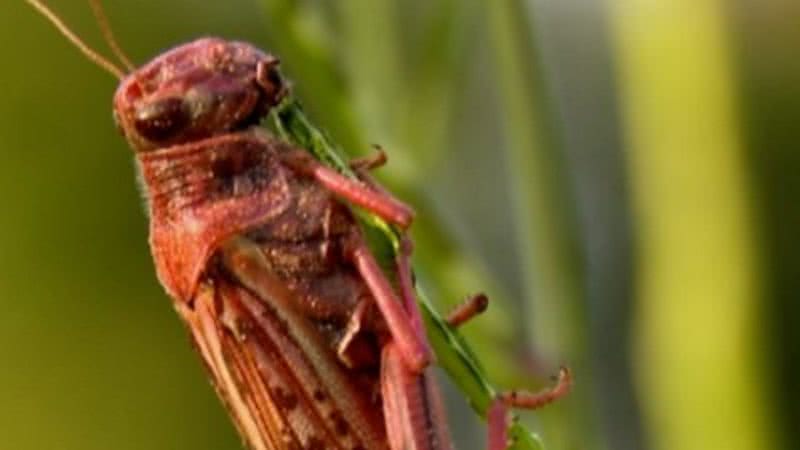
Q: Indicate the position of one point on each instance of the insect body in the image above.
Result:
(266, 265)
(307, 341)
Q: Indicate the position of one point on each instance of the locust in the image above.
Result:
(309, 341)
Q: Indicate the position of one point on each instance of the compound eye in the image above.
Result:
(161, 120)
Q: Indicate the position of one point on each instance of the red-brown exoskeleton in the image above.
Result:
(309, 344)
(266, 264)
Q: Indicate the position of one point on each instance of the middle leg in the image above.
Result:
(404, 327)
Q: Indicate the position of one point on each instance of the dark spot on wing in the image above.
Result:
(285, 400)
(340, 425)
(244, 328)
(232, 360)
(315, 443)
(293, 445)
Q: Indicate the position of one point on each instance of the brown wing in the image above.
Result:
(229, 366)
(283, 387)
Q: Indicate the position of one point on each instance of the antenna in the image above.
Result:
(76, 41)
(105, 28)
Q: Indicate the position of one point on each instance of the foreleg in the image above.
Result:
(357, 192)
(369, 162)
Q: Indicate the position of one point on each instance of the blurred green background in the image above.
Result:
(619, 176)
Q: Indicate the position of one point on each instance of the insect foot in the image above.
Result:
(498, 414)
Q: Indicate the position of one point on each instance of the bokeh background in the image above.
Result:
(621, 177)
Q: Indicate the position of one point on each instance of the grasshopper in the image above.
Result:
(309, 342)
